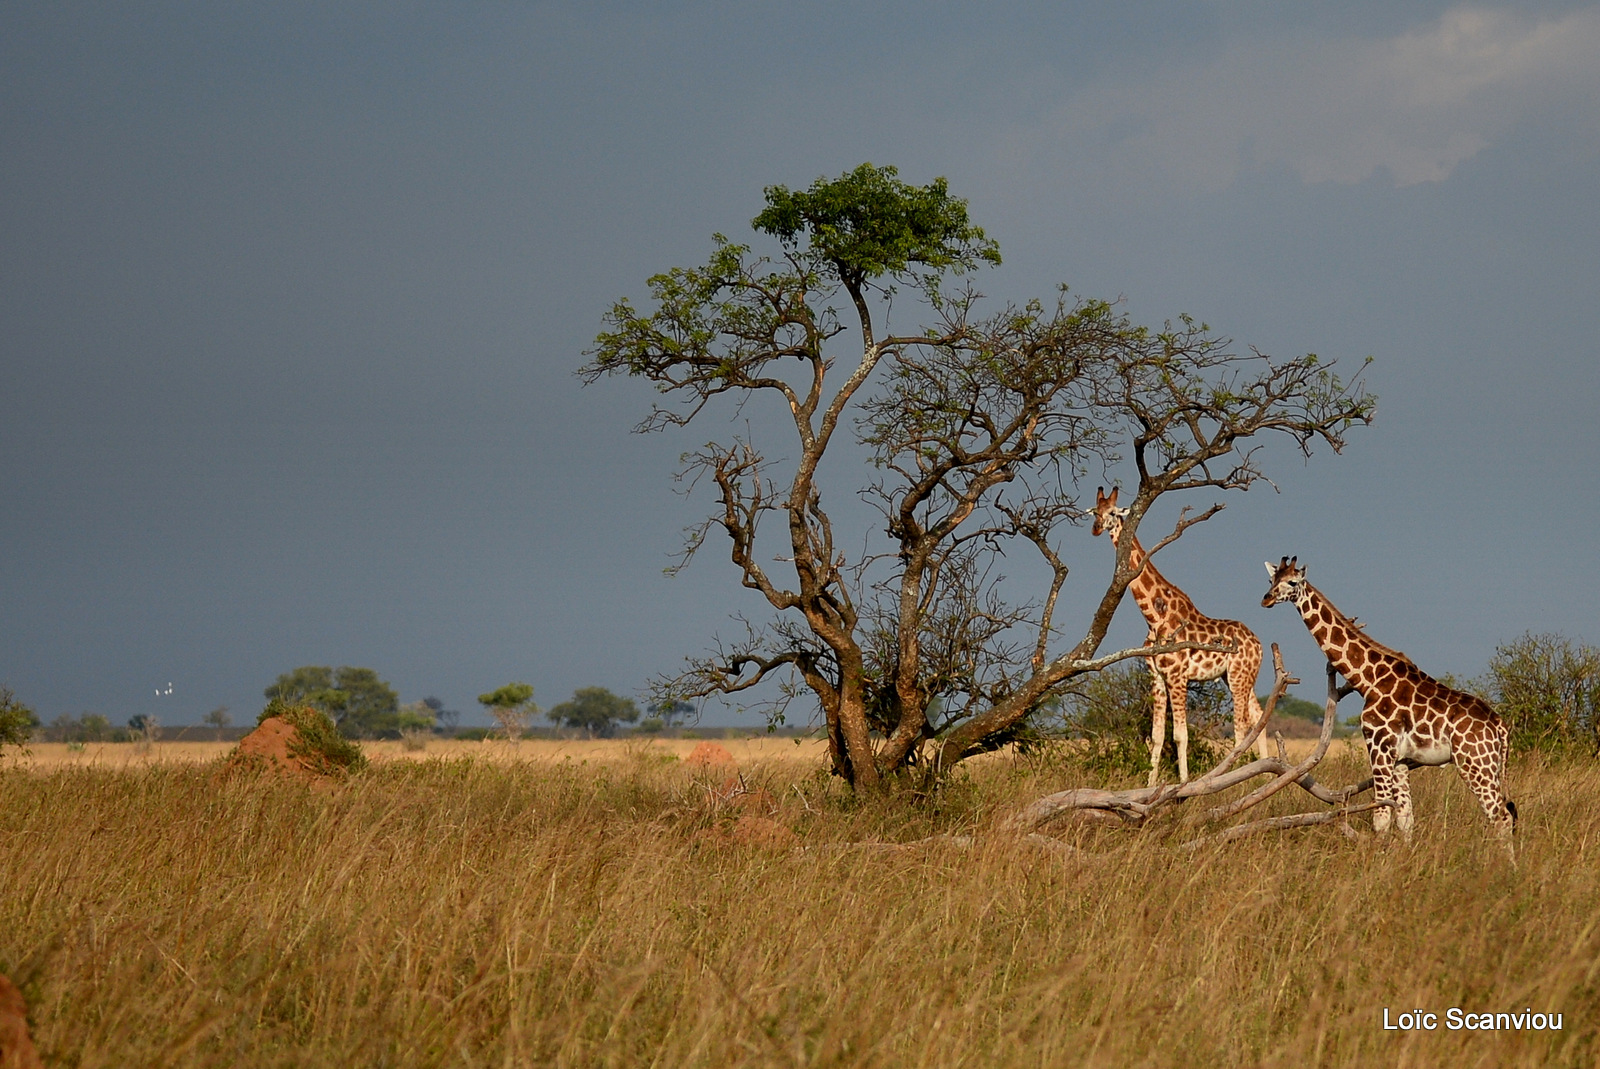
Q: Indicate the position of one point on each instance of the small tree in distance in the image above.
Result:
(17, 721)
(444, 720)
(663, 713)
(595, 711)
(511, 707)
(145, 728)
(219, 718)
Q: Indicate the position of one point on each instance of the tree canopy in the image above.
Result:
(355, 699)
(979, 424)
(595, 711)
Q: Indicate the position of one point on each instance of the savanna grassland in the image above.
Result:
(508, 912)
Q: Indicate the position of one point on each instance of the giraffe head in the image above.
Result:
(1288, 583)
(1107, 517)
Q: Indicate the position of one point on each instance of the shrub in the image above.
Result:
(1547, 688)
(17, 721)
(318, 743)
(1109, 712)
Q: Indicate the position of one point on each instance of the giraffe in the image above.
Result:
(1410, 719)
(1173, 618)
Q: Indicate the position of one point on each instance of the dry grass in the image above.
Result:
(487, 912)
(767, 750)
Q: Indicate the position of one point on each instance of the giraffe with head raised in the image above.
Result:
(1410, 719)
(1172, 617)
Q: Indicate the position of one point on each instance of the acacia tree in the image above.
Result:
(979, 426)
(512, 707)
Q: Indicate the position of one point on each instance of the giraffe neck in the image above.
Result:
(1358, 658)
(1163, 605)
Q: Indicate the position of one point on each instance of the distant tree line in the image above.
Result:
(364, 706)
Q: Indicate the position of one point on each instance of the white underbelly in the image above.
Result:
(1423, 751)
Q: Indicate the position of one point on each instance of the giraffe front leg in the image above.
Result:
(1403, 815)
(1158, 721)
(1380, 755)
(1178, 694)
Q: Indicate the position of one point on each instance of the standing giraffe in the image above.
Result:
(1173, 618)
(1410, 719)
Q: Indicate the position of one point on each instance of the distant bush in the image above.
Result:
(1109, 712)
(473, 734)
(595, 711)
(17, 721)
(319, 743)
(90, 727)
(1547, 689)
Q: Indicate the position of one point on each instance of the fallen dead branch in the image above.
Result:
(1137, 807)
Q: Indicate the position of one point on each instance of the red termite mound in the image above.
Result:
(16, 1045)
(709, 755)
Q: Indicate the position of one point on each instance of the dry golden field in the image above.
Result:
(550, 906)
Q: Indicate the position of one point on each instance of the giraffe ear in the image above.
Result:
(1099, 496)
(1271, 571)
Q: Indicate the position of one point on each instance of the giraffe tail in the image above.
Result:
(1511, 807)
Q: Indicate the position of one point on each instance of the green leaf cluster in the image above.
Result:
(867, 223)
(510, 696)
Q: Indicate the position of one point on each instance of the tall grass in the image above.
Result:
(479, 914)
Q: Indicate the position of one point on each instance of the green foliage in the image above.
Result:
(300, 684)
(1109, 714)
(1547, 689)
(319, 744)
(1299, 708)
(356, 699)
(867, 223)
(416, 716)
(510, 696)
(17, 721)
(595, 711)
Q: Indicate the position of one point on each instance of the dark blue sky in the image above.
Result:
(291, 296)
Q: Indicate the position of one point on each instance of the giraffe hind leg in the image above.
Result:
(1483, 767)
(1246, 710)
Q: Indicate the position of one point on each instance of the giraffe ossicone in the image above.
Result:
(1172, 617)
(1409, 719)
